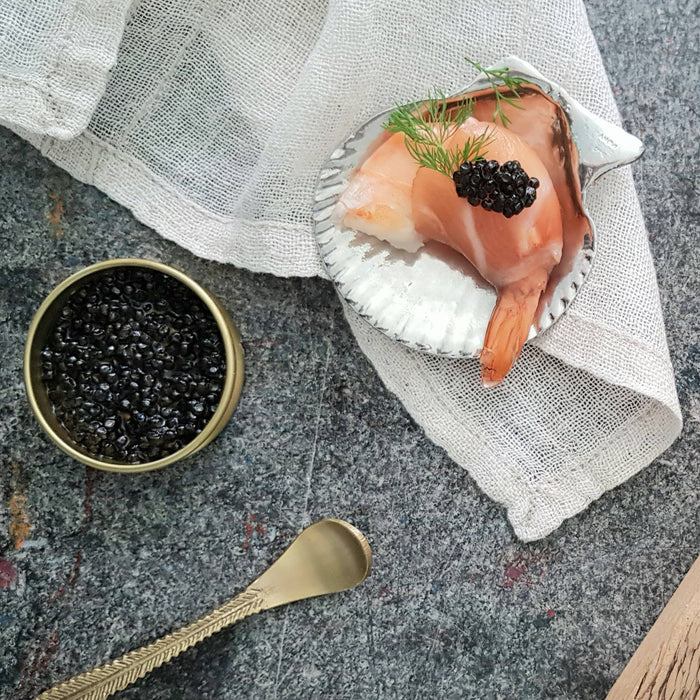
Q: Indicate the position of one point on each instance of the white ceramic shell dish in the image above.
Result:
(434, 300)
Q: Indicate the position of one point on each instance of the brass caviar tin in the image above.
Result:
(42, 324)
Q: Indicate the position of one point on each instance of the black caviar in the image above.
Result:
(134, 366)
(506, 189)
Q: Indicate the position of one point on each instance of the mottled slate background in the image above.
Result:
(456, 606)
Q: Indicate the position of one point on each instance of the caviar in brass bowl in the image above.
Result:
(130, 365)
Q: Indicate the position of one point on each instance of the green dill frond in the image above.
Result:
(498, 77)
(446, 161)
(428, 124)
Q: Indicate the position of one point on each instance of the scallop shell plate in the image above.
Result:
(434, 300)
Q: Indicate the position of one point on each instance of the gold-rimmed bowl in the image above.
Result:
(43, 323)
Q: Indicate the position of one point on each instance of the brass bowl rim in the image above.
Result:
(232, 384)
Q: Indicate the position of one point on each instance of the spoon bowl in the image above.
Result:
(327, 557)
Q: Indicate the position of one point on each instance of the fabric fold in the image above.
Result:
(55, 60)
(545, 456)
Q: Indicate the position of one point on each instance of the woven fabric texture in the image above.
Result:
(212, 126)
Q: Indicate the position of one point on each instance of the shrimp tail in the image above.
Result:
(507, 331)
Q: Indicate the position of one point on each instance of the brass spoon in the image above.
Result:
(327, 557)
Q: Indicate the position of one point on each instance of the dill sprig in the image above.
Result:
(428, 124)
(437, 157)
(498, 77)
(431, 120)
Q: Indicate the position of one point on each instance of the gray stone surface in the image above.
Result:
(455, 607)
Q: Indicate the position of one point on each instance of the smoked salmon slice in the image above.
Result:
(391, 197)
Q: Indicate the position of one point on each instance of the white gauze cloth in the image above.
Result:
(213, 123)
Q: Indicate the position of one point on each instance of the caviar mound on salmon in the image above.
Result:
(134, 366)
(507, 214)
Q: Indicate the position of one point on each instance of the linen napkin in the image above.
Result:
(210, 120)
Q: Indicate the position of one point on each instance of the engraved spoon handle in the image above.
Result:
(100, 683)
